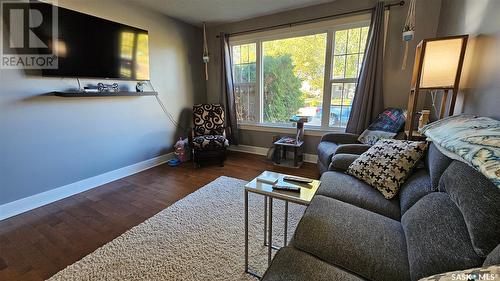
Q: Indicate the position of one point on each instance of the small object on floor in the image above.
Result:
(286, 188)
(181, 150)
(268, 180)
(297, 179)
(174, 162)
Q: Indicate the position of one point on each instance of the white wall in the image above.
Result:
(480, 82)
(47, 142)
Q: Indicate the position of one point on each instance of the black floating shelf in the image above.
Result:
(104, 94)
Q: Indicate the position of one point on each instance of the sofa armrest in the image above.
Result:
(340, 162)
(355, 148)
(340, 138)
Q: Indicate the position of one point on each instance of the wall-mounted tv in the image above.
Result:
(92, 47)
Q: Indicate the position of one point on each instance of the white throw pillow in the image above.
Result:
(387, 164)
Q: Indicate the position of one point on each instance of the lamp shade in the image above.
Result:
(440, 63)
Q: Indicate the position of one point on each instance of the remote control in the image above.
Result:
(297, 179)
(287, 188)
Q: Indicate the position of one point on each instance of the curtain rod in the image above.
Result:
(388, 6)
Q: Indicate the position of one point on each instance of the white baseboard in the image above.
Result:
(29, 203)
(309, 158)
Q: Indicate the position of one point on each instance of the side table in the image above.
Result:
(304, 197)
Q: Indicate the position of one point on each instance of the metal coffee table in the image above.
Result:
(307, 192)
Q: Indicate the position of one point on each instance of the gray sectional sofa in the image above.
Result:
(446, 218)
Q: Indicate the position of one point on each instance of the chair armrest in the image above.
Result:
(340, 162)
(355, 148)
(340, 138)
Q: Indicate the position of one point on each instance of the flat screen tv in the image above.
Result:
(92, 47)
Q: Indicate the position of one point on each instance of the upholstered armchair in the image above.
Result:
(338, 143)
(208, 137)
(336, 151)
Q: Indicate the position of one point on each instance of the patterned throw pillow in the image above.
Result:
(386, 126)
(387, 164)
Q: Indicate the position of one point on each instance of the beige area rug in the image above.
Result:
(200, 237)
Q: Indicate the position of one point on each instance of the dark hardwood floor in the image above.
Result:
(37, 244)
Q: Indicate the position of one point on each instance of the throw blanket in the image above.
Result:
(473, 140)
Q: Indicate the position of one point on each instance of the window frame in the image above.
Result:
(329, 29)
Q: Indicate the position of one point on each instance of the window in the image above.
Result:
(134, 55)
(348, 51)
(276, 77)
(294, 75)
(245, 76)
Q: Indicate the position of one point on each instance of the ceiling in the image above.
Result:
(223, 11)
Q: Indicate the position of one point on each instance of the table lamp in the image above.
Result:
(438, 66)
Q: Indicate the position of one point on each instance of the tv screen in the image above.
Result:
(92, 47)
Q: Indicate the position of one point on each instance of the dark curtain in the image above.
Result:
(368, 102)
(227, 90)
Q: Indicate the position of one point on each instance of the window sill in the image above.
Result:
(309, 131)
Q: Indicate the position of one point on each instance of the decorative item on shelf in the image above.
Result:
(438, 66)
(107, 87)
(206, 58)
(139, 87)
(424, 118)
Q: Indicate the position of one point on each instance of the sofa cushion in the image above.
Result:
(210, 142)
(493, 257)
(387, 164)
(416, 186)
(290, 264)
(326, 150)
(479, 202)
(437, 237)
(340, 162)
(353, 191)
(368, 244)
(436, 163)
(353, 148)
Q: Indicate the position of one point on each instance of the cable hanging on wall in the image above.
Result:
(168, 114)
(408, 31)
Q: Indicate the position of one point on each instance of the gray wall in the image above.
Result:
(396, 81)
(480, 82)
(47, 142)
